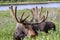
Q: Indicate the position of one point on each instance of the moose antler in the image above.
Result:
(45, 17)
(34, 12)
(25, 18)
(40, 13)
(13, 13)
(36, 15)
(22, 16)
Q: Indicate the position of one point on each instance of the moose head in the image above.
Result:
(22, 29)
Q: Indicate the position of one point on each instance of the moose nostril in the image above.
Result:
(32, 35)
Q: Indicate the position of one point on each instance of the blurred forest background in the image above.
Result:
(26, 0)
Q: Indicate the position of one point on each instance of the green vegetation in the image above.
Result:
(7, 25)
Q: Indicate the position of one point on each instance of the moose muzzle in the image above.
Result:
(31, 33)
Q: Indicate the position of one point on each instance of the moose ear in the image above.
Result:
(27, 26)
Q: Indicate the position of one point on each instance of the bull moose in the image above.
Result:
(23, 27)
(44, 26)
(21, 30)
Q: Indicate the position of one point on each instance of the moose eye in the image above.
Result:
(27, 27)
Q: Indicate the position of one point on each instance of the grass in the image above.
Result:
(7, 25)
